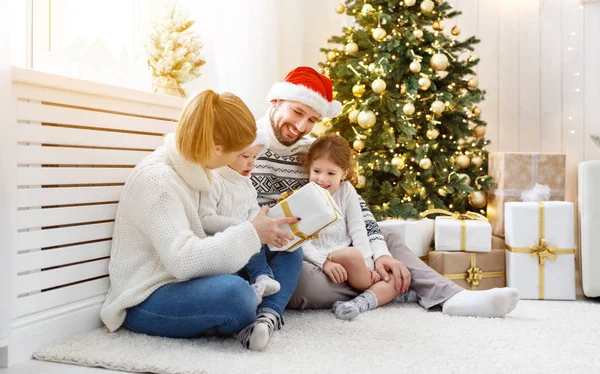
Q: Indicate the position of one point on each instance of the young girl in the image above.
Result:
(330, 165)
(231, 201)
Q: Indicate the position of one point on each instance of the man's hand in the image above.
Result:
(335, 272)
(387, 264)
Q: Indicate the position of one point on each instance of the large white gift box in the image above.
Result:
(417, 235)
(314, 205)
(464, 235)
(540, 244)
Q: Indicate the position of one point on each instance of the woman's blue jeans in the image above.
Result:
(226, 303)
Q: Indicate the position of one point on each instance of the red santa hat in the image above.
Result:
(307, 86)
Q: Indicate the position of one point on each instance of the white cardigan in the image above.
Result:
(158, 236)
(343, 232)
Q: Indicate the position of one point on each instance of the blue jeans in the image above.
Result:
(258, 266)
(225, 302)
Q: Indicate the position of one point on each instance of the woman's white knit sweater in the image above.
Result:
(350, 230)
(230, 201)
(158, 236)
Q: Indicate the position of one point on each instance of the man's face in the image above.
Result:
(292, 120)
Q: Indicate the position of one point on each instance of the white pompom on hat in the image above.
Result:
(307, 86)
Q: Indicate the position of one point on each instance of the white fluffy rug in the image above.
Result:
(539, 336)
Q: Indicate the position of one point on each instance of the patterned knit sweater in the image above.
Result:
(158, 236)
(278, 169)
(230, 201)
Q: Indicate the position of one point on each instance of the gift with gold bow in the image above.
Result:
(314, 205)
(472, 271)
(463, 232)
(540, 249)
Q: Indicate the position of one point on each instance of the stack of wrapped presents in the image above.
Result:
(526, 241)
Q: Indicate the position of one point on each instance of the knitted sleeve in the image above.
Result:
(209, 200)
(158, 211)
(356, 224)
(376, 239)
(313, 255)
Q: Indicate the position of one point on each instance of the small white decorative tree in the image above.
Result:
(173, 51)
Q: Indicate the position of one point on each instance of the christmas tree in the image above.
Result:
(173, 51)
(410, 100)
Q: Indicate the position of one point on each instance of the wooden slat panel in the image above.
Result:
(27, 176)
(57, 277)
(77, 156)
(592, 79)
(81, 137)
(64, 216)
(34, 197)
(63, 235)
(551, 76)
(38, 112)
(61, 256)
(508, 48)
(62, 296)
(488, 68)
(529, 76)
(468, 24)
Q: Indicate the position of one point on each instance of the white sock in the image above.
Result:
(259, 290)
(271, 285)
(350, 309)
(496, 302)
(256, 335)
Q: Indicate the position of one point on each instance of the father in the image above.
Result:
(297, 104)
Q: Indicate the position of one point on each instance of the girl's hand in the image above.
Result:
(335, 272)
(268, 229)
(375, 277)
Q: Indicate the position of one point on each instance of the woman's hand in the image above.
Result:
(268, 228)
(375, 277)
(335, 272)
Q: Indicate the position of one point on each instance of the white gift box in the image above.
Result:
(416, 235)
(314, 205)
(468, 235)
(536, 272)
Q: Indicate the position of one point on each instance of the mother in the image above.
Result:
(167, 277)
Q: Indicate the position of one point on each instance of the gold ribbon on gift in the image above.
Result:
(463, 217)
(474, 275)
(294, 226)
(541, 250)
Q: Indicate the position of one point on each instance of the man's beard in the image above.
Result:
(279, 135)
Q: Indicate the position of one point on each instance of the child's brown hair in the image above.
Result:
(334, 148)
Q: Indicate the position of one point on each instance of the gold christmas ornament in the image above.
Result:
(410, 2)
(467, 178)
(398, 162)
(438, 107)
(403, 88)
(358, 90)
(415, 66)
(479, 131)
(439, 61)
(427, 6)
(361, 181)
(340, 8)
(378, 85)
(379, 33)
(424, 83)
(476, 111)
(353, 116)
(463, 161)
(473, 83)
(438, 25)
(366, 9)
(418, 34)
(455, 30)
(366, 119)
(371, 67)
(351, 48)
(442, 191)
(477, 161)
(477, 199)
(358, 145)
(425, 163)
(408, 109)
(432, 134)
(330, 56)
